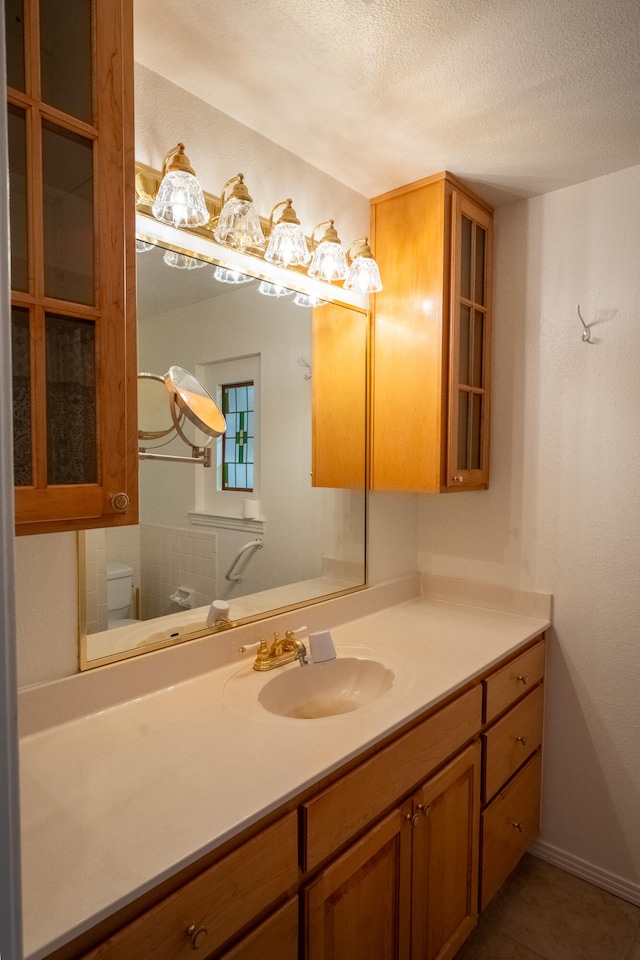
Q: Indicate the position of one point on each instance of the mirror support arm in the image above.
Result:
(200, 455)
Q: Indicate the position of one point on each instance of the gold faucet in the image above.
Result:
(282, 650)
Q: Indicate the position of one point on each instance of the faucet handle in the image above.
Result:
(293, 634)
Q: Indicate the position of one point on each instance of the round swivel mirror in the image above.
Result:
(188, 400)
(195, 402)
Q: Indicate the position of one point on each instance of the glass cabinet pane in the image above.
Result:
(463, 418)
(476, 431)
(17, 135)
(65, 55)
(478, 342)
(67, 166)
(14, 40)
(465, 343)
(71, 401)
(465, 258)
(21, 376)
(480, 271)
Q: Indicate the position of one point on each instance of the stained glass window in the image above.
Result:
(238, 441)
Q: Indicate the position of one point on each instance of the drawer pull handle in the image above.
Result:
(413, 818)
(519, 826)
(522, 740)
(197, 936)
(522, 678)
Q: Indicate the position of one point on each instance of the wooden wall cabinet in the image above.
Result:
(339, 397)
(431, 369)
(72, 213)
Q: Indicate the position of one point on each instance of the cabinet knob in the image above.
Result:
(458, 478)
(522, 740)
(519, 826)
(120, 501)
(413, 818)
(523, 678)
(196, 935)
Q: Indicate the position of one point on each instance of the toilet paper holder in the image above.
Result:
(183, 596)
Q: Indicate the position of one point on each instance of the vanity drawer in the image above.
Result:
(277, 937)
(216, 904)
(343, 809)
(510, 683)
(509, 825)
(511, 741)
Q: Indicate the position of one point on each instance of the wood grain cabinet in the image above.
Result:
(407, 890)
(431, 370)
(512, 766)
(390, 858)
(70, 127)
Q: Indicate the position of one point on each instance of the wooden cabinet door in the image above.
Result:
(339, 386)
(359, 907)
(445, 858)
(470, 344)
(71, 171)
(431, 338)
(276, 937)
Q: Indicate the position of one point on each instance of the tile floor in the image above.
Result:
(543, 913)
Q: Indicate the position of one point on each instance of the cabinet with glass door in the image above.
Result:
(72, 233)
(432, 338)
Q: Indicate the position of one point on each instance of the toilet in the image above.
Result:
(119, 585)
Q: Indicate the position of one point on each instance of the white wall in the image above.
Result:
(563, 510)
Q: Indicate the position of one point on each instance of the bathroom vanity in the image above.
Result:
(192, 820)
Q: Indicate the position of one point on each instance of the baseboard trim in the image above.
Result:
(610, 882)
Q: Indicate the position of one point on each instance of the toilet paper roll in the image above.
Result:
(250, 509)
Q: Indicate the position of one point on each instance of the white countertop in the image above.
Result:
(116, 801)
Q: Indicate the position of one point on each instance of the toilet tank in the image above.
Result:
(119, 583)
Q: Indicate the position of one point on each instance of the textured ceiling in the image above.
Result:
(517, 97)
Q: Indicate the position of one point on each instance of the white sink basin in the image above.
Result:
(326, 689)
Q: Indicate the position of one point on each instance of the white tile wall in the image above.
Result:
(173, 557)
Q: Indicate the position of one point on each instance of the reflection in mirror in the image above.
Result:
(278, 520)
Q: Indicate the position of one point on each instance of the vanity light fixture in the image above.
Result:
(180, 200)
(364, 275)
(142, 246)
(329, 261)
(182, 261)
(224, 275)
(287, 244)
(273, 289)
(306, 300)
(238, 224)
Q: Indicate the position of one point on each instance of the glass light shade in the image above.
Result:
(364, 276)
(287, 245)
(143, 245)
(180, 201)
(273, 289)
(305, 300)
(224, 275)
(329, 262)
(181, 261)
(239, 225)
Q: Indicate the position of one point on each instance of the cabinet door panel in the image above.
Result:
(445, 859)
(509, 825)
(358, 908)
(276, 937)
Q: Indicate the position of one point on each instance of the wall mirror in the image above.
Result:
(278, 518)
